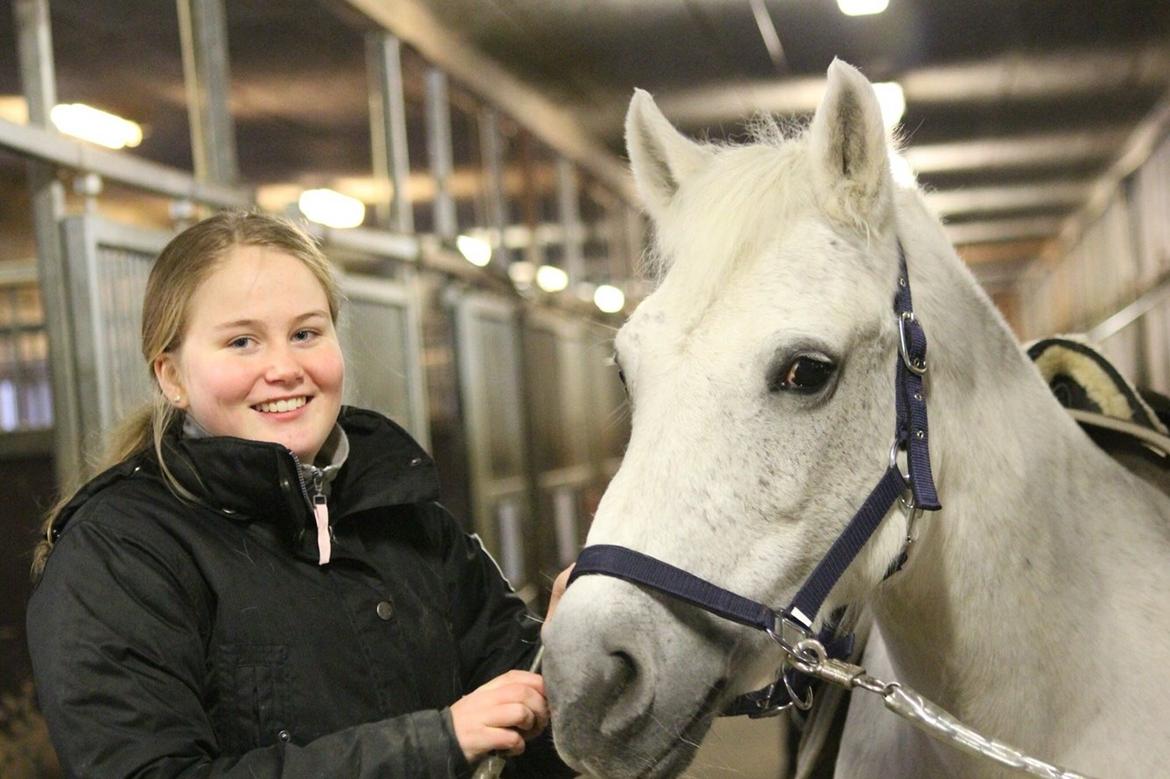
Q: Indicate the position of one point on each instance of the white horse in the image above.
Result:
(1035, 606)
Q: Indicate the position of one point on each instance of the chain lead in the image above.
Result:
(920, 712)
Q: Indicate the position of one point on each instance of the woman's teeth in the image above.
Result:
(280, 406)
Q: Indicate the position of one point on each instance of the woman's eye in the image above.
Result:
(304, 335)
(804, 375)
(243, 342)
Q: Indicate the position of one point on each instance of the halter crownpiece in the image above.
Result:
(794, 624)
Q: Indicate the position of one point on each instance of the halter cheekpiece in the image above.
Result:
(789, 627)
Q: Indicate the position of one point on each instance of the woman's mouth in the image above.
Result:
(281, 406)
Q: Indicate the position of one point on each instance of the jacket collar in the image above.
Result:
(260, 481)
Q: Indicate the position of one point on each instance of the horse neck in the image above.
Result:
(1020, 547)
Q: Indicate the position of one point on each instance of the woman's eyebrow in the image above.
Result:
(257, 323)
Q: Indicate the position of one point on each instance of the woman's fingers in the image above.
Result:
(527, 678)
(500, 715)
(558, 589)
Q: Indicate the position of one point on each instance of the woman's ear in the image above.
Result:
(170, 381)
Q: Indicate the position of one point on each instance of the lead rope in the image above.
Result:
(809, 657)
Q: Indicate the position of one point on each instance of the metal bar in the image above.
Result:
(569, 206)
(203, 34)
(439, 149)
(388, 130)
(89, 356)
(39, 83)
(49, 147)
(493, 164)
(416, 24)
(1156, 295)
(363, 239)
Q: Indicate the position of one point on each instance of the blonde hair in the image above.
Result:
(182, 266)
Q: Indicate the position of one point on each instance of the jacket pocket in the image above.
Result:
(253, 697)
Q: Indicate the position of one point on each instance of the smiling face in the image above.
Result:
(259, 358)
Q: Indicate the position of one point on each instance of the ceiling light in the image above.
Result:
(521, 273)
(14, 108)
(94, 125)
(892, 101)
(332, 209)
(551, 278)
(609, 299)
(477, 251)
(862, 7)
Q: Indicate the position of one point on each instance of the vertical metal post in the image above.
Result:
(388, 130)
(493, 170)
(203, 33)
(38, 77)
(570, 213)
(439, 149)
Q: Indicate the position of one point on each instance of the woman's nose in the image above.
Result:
(284, 367)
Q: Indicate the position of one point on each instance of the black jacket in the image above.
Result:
(178, 639)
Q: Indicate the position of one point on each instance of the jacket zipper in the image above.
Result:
(320, 507)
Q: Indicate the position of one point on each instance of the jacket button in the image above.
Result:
(284, 736)
(385, 609)
(415, 462)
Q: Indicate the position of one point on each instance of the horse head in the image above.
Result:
(759, 376)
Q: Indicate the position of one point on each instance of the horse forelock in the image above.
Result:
(726, 216)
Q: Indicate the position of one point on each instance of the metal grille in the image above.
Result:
(121, 285)
(373, 336)
(26, 401)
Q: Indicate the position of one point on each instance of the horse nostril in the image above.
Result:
(625, 672)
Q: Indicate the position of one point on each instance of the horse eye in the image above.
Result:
(621, 373)
(804, 375)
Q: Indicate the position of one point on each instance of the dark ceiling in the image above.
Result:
(1014, 109)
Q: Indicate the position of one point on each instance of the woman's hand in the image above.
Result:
(501, 715)
(558, 589)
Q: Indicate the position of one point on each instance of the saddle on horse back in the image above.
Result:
(1131, 424)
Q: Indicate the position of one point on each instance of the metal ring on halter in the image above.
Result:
(916, 366)
(803, 705)
(894, 449)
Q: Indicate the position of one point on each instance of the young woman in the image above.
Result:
(262, 583)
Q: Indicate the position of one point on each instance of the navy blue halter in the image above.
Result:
(795, 621)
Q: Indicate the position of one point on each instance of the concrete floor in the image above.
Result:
(741, 748)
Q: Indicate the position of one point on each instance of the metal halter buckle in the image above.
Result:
(916, 365)
(788, 633)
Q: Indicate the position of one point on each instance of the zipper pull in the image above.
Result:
(321, 515)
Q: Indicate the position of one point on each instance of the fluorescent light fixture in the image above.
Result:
(94, 125)
(862, 7)
(609, 299)
(14, 108)
(522, 273)
(551, 278)
(892, 101)
(477, 251)
(332, 209)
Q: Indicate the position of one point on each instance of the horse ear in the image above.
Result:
(849, 147)
(661, 157)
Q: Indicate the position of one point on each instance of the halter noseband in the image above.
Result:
(794, 624)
